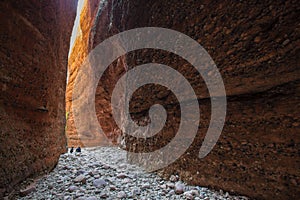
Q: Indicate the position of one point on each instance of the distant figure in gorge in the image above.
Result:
(72, 149)
(78, 149)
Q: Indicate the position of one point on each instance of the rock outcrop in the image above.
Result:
(34, 43)
(255, 45)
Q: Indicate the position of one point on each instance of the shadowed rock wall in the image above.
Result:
(34, 43)
(255, 45)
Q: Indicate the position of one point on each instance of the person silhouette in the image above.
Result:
(78, 149)
(72, 149)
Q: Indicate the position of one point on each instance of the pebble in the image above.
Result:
(188, 195)
(179, 188)
(91, 198)
(173, 178)
(103, 195)
(136, 191)
(112, 187)
(81, 178)
(121, 195)
(102, 173)
(170, 185)
(99, 183)
(28, 190)
(67, 198)
(97, 176)
(171, 192)
(72, 188)
(121, 175)
(146, 186)
(196, 192)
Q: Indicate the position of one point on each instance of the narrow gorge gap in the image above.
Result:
(76, 32)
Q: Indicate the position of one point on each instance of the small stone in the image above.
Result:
(106, 166)
(163, 186)
(127, 180)
(89, 187)
(79, 194)
(191, 194)
(129, 195)
(173, 178)
(80, 179)
(170, 185)
(146, 186)
(97, 191)
(97, 176)
(66, 167)
(80, 172)
(226, 194)
(103, 195)
(188, 195)
(112, 187)
(136, 191)
(99, 183)
(171, 192)
(67, 198)
(122, 166)
(121, 195)
(59, 181)
(81, 198)
(60, 195)
(72, 188)
(28, 190)
(179, 188)
(195, 192)
(92, 173)
(121, 175)
(50, 186)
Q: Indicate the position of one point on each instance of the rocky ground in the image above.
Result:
(102, 173)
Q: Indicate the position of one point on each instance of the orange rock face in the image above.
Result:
(34, 38)
(90, 25)
(79, 52)
(255, 46)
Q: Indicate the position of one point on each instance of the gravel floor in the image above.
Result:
(102, 173)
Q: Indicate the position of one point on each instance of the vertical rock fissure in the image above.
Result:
(75, 31)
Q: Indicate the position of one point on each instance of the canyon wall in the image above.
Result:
(255, 45)
(34, 44)
(95, 16)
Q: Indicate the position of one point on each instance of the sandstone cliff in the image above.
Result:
(34, 43)
(255, 45)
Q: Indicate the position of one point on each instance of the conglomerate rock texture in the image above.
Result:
(255, 45)
(34, 43)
